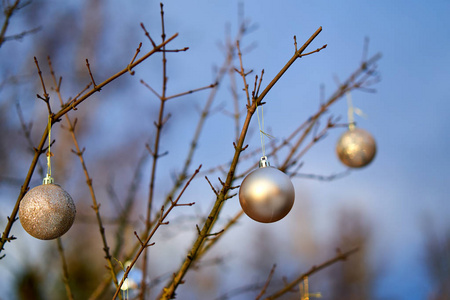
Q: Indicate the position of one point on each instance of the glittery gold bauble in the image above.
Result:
(266, 194)
(356, 148)
(47, 212)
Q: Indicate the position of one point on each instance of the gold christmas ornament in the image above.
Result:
(266, 195)
(356, 148)
(47, 211)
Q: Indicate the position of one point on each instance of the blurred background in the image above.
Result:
(396, 208)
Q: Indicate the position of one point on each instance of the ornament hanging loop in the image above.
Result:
(304, 291)
(261, 130)
(48, 179)
(351, 110)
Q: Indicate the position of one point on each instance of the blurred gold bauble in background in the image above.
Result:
(356, 148)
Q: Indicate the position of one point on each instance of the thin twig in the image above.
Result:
(150, 88)
(322, 177)
(293, 284)
(46, 97)
(79, 153)
(266, 285)
(159, 125)
(192, 91)
(65, 270)
(21, 35)
(315, 51)
(148, 35)
(133, 59)
(175, 50)
(259, 83)
(365, 49)
(92, 76)
(9, 11)
(237, 112)
(243, 74)
(71, 101)
(212, 187)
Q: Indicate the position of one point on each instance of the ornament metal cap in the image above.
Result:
(264, 162)
(48, 180)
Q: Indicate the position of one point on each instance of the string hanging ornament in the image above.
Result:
(47, 211)
(356, 147)
(266, 194)
(304, 290)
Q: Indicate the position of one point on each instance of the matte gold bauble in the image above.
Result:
(47, 212)
(356, 148)
(266, 195)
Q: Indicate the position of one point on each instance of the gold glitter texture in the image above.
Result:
(47, 212)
